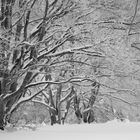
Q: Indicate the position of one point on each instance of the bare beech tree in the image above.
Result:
(33, 37)
(63, 55)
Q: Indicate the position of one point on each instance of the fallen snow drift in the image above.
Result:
(108, 131)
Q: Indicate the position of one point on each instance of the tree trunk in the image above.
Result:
(7, 102)
(6, 10)
(1, 114)
(58, 104)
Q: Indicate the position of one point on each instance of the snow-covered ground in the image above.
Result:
(113, 130)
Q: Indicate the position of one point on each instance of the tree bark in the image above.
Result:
(6, 10)
(1, 114)
(6, 103)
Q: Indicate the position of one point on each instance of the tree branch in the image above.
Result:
(71, 80)
(135, 12)
(23, 100)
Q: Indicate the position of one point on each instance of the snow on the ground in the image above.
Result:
(113, 130)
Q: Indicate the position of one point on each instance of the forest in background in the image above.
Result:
(69, 61)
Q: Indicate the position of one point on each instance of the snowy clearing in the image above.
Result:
(107, 131)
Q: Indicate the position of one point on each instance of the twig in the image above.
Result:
(135, 12)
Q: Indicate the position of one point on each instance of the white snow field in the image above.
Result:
(113, 130)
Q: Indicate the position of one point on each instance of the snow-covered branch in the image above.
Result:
(25, 99)
(71, 80)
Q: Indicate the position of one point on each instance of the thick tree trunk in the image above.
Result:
(7, 102)
(1, 114)
(6, 10)
(15, 96)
